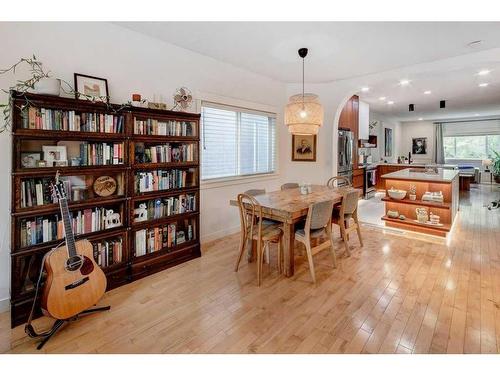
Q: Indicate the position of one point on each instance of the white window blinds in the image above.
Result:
(236, 141)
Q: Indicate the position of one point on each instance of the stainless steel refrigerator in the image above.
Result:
(345, 154)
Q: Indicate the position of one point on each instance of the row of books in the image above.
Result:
(108, 252)
(101, 153)
(160, 180)
(150, 240)
(55, 119)
(169, 128)
(49, 228)
(164, 153)
(164, 207)
(37, 192)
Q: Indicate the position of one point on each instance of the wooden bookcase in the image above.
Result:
(129, 265)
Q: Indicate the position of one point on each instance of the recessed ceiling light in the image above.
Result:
(484, 72)
(475, 43)
(476, 114)
(428, 92)
(365, 89)
(420, 119)
(404, 82)
(483, 84)
(382, 98)
(390, 102)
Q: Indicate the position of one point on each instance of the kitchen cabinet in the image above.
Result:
(349, 119)
(364, 121)
(358, 178)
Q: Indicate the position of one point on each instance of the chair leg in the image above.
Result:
(259, 262)
(243, 242)
(310, 260)
(280, 260)
(268, 257)
(345, 238)
(358, 229)
(332, 249)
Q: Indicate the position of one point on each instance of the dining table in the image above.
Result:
(289, 207)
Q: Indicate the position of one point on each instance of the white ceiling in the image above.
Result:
(342, 50)
(337, 50)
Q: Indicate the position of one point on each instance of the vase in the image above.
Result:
(48, 86)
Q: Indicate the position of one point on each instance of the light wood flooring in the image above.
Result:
(398, 294)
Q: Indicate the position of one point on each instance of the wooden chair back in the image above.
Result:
(338, 181)
(289, 185)
(349, 203)
(250, 214)
(319, 215)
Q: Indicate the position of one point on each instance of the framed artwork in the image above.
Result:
(55, 156)
(303, 147)
(388, 142)
(92, 88)
(419, 146)
(30, 159)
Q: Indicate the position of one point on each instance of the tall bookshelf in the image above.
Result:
(152, 157)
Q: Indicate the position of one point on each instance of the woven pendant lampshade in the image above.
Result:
(304, 113)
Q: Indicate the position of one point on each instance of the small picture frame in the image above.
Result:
(30, 159)
(41, 164)
(419, 146)
(55, 156)
(303, 147)
(91, 88)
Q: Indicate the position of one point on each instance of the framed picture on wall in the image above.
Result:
(91, 88)
(303, 147)
(419, 146)
(388, 142)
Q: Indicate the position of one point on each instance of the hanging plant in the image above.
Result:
(23, 86)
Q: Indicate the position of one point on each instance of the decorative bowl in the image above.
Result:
(396, 194)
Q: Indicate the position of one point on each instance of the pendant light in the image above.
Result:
(304, 113)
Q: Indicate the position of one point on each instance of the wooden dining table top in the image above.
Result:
(290, 205)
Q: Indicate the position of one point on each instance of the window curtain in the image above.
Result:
(439, 143)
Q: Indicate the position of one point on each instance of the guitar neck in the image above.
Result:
(68, 230)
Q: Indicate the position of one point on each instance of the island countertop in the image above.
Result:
(443, 175)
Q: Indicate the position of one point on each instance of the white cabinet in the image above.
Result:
(364, 120)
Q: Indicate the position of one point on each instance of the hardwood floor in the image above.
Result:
(398, 294)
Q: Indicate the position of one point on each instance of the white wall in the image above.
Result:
(132, 63)
(418, 129)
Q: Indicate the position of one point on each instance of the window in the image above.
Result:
(471, 146)
(236, 142)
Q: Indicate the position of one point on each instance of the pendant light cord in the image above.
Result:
(303, 80)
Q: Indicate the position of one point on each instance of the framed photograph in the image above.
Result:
(55, 156)
(303, 147)
(30, 159)
(92, 88)
(388, 142)
(419, 146)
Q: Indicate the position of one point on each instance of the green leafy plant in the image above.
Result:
(496, 164)
(23, 86)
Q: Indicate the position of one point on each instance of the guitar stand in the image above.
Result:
(59, 323)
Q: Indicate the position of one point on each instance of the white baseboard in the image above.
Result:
(4, 305)
(219, 234)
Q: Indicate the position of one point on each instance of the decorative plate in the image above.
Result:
(104, 186)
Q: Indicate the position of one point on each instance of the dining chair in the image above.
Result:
(317, 226)
(343, 215)
(254, 192)
(338, 181)
(254, 228)
(289, 185)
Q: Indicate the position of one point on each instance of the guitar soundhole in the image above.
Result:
(74, 263)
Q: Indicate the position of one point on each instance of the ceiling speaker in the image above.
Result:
(411, 107)
(442, 104)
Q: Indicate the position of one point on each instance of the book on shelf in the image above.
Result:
(160, 180)
(108, 252)
(38, 191)
(164, 207)
(56, 119)
(166, 128)
(101, 153)
(48, 228)
(161, 238)
(165, 153)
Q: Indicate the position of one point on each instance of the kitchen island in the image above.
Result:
(445, 181)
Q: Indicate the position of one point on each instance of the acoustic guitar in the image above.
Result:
(74, 280)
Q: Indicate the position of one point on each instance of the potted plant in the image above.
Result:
(495, 167)
(39, 82)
